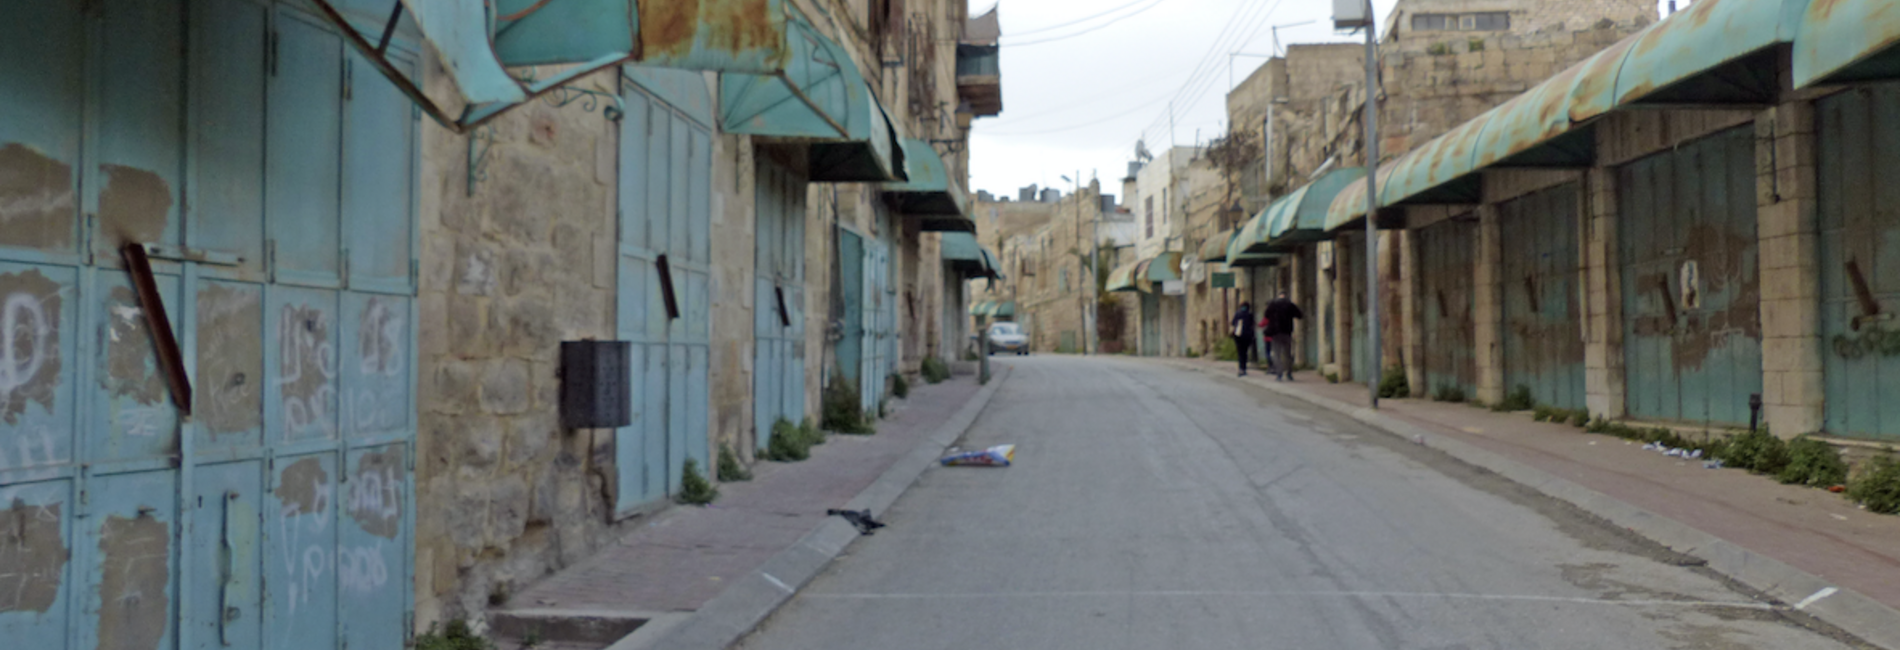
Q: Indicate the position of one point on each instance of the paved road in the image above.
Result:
(1157, 507)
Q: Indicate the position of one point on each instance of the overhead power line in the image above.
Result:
(1117, 19)
(1072, 22)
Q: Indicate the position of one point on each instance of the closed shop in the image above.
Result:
(1446, 255)
(664, 307)
(1543, 333)
(1859, 149)
(277, 204)
(778, 305)
(1691, 291)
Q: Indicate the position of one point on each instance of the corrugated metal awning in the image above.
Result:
(1164, 266)
(1123, 278)
(1847, 40)
(1003, 309)
(981, 308)
(1716, 52)
(1440, 171)
(477, 43)
(821, 98)
(1214, 250)
(1350, 204)
(1302, 218)
(966, 256)
(930, 192)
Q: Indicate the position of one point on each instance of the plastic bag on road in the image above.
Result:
(998, 456)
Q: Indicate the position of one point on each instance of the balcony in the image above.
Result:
(980, 78)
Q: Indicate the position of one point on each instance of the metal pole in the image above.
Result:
(1372, 211)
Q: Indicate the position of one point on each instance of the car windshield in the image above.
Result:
(1004, 329)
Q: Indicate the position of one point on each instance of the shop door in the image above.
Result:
(778, 308)
(1860, 261)
(278, 205)
(1691, 330)
(1543, 328)
(665, 212)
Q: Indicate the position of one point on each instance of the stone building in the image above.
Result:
(375, 249)
(1641, 236)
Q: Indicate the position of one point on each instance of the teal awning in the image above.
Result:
(930, 192)
(477, 43)
(981, 308)
(1298, 218)
(1847, 40)
(1003, 309)
(820, 98)
(1164, 266)
(966, 256)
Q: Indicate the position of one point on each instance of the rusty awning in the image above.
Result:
(1350, 204)
(1714, 53)
(1250, 260)
(477, 43)
(1847, 40)
(1214, 249)
(1123, 277)
(820, 98)
(930, 193)
(1443, 170)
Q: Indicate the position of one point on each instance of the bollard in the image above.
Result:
(1754, 411)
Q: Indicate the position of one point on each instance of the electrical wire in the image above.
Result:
(1073, 127)
(1064, 37)
(1078, 20)
(1205, 72)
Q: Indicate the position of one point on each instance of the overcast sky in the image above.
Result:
(1078, 96)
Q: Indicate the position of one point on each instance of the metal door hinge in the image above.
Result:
(271, 55)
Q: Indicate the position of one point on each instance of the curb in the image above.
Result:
(741, 607)
(1866, 618)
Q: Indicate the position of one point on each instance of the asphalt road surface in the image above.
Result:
(1157, 507)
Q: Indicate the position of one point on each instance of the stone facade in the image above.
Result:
(510, 268)
(527, 258)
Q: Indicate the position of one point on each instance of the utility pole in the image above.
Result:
(1375, 362)
(1357, 14)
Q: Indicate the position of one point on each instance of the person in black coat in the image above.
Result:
(1280, 315)
(1242, 330)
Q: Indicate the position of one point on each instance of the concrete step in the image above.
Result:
(562, 629)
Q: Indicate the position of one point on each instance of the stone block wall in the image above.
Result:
(509, 270)
(734, 270)
(1788, 228)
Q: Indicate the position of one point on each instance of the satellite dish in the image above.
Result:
(1141, 152)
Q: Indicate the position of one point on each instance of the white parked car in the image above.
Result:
(1008, 337)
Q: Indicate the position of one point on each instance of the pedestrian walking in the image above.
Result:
(1280, 314)
(1243, 334)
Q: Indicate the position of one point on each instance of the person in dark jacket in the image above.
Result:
(1280, 315)
(1241, 328)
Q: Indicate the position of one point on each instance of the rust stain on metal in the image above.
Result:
(1697, 333)
(304, 486)
(375, 493)
(230, 359)
(36, 199)
(667, 28)
(32, 557)
(29, 342)
(131, 366)
(133, 206)
(740, 25)
(134, 581)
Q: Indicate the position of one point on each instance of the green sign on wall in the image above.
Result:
(1223, 280)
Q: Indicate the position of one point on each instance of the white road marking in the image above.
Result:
(1815, 597)
(777, 582)
(1300, 594)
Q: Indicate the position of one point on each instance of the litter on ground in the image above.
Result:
(998, 456)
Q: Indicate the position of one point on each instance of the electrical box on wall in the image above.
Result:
(594, 390)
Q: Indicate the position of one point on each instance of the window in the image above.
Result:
(1148, 214)
(1065, 280)
(1489, 21)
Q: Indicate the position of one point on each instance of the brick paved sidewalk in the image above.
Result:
(1812, 530)
(684, 556)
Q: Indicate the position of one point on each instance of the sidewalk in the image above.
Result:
(1813, 531)
(685, 556)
